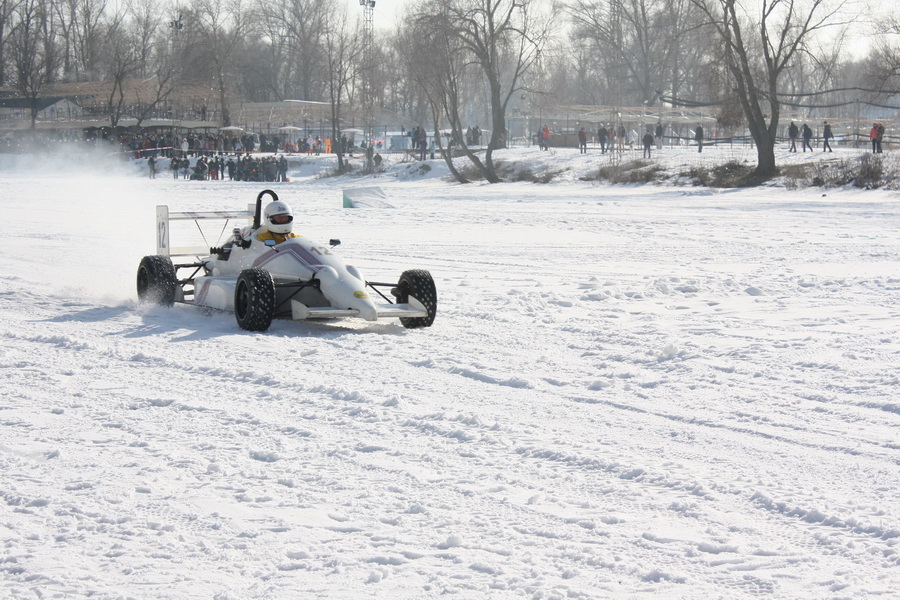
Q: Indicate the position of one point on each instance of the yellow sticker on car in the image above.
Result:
(360, 294)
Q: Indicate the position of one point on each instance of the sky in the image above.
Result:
(866, 14)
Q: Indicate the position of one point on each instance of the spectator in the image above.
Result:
(827, 135)
(793, 131)
(582, 141)
(423, 144)
(877, 135)
(659, 136)
(648, 143)
(807, 137)
(602, 135)
(698, 135)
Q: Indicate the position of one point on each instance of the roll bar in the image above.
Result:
(257, 216)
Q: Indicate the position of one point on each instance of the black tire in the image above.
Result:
(419, 284)
(156, 280)
(254, 299)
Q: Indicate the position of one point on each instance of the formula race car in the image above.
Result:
(260, 278)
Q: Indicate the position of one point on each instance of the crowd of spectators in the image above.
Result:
(218, 167)
(608, 137)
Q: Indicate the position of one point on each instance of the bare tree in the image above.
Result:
(757, 48)
(504, 38)
(82, 24)
(402, 93)
(636, 48)
(437, 63)
(293, 54)
(687, 49)
(882, 70)
(164, 83)
(222, 25)
(344, 49)
(121, 60)
(145, 24)
(8, 10)
(31, 55)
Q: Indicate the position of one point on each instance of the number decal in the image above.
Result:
(320, 250)
(163, 239)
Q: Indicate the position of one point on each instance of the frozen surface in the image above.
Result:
(628, 392)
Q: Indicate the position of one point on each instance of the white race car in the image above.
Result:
(259, 280)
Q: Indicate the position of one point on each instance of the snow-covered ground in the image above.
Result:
(628, 392)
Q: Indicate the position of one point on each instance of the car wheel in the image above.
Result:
(419, 284)
(156, 280)
(254, 299)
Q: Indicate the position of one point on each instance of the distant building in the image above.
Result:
(49, 108)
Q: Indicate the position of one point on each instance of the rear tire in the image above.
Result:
(419, 284)
(156, 280)
(254, 299)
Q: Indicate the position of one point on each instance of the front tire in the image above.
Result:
(254, 299)
(419, 284)
(156, 280)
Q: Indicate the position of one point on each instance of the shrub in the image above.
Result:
(469, 171)
(698, 175)
(870, 172)
(635, 171)
(733, 174)
(796, 176)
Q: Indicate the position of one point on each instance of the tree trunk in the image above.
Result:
(447, 153)
(498, 132)
(765, 157)
(220, 76)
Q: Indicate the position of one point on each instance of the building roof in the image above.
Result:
(25, 103)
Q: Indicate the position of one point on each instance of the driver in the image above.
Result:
(279, 220)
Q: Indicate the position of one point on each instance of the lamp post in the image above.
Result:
(368, 7)
(176, 25)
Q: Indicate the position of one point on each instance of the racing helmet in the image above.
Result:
(279, 217)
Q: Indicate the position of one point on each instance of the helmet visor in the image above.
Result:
(281, 219)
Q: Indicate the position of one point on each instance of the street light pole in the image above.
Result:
(368, 87)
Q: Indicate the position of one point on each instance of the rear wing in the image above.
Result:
(164, 217)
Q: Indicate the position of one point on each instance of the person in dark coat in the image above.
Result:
(659, 136)
(807, 136)
(602, 135)
(648, 143)
(698, 135)
(827, 135)
(582, 141)
(793, 132)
